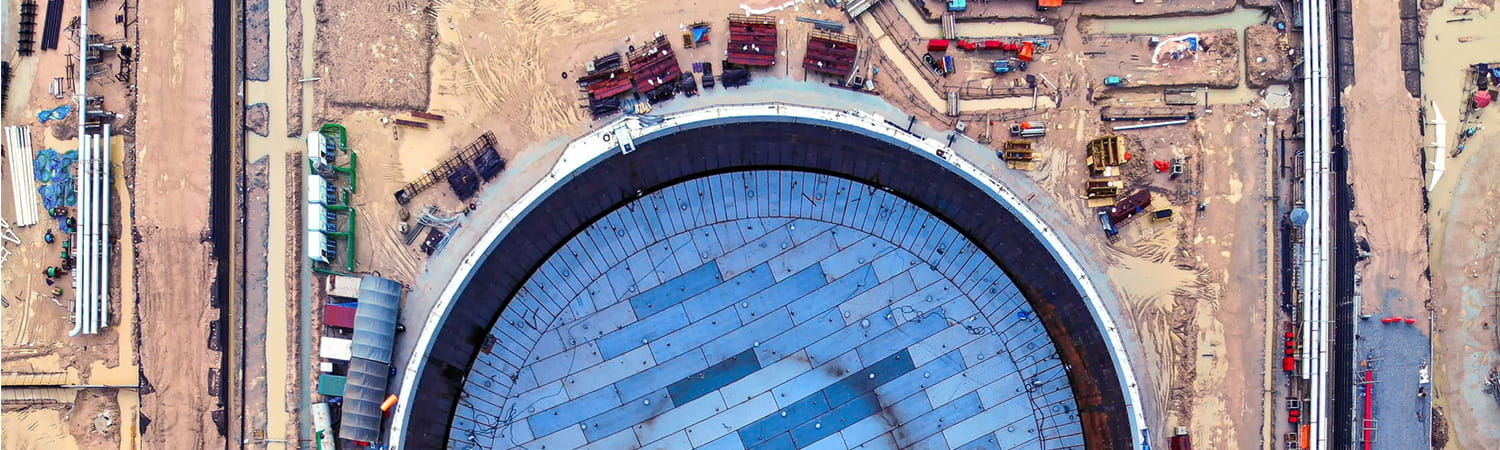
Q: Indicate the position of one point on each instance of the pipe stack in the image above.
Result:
(91, 238)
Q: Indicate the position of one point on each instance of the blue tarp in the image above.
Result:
(699, 33)
(52, 169)
(58, 113)
(50, 164)
(58, 193)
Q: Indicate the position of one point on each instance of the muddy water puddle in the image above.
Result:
(1238, 19)
(972, 29)
(1452, 43)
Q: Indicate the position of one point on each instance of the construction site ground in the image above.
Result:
(1385, 160)
(1463, 220)
(40, 357)
(1187, 297)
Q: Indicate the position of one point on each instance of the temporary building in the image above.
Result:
(338, 316)
(337, 349)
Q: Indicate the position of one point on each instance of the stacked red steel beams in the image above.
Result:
(830, 53)
(752, 40)
(609, 78)
(654, 65)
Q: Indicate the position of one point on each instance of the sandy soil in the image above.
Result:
(38, 429)
(383, 53)
(1386, 171)
(172, 163)
(294, 70)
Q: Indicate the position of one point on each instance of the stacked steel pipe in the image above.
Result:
(1317, 306)
(91, 237)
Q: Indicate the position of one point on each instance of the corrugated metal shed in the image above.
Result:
(375, 319)
(338, 316)
(369, 369)
(362, 417)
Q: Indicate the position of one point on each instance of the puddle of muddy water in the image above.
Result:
(1238, 19)
(972, 29)
(1448, 49)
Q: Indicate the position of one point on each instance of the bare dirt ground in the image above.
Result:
(1386, 171)
(378, 64)
(1130, 57)
(1266, 59)
(173, 246)
(1463, 221)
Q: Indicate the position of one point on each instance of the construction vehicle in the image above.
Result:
(1104, 222)
(1028, 129)
(1001, 66)
(934, 63)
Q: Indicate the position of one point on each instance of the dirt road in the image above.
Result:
(1386, 171)
(172, 234)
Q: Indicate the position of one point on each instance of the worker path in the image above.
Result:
(768, 309)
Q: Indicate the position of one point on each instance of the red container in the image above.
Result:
(937, 45)
(1411, 320)
(1288, 364)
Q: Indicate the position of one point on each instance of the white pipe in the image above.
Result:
(92, 217)
(86, 223)
(105, 181)
(80, 296)
(1439, 146)
(1149, 125)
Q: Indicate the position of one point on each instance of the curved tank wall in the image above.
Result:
(606, 184)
